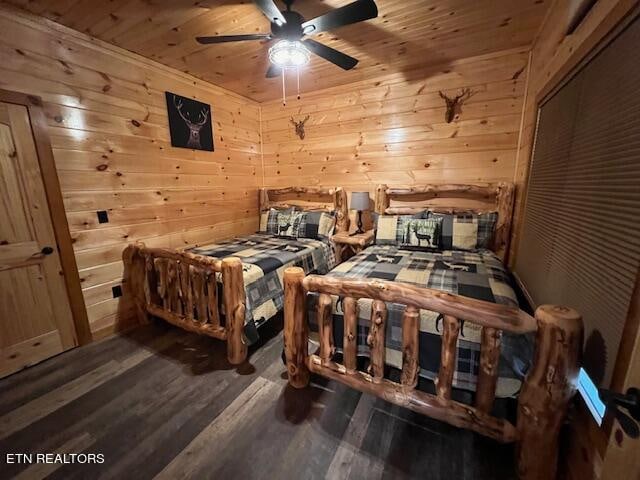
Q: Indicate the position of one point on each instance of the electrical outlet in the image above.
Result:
(103, 216)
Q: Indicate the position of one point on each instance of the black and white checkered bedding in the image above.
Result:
(478, 274)
(264, 260)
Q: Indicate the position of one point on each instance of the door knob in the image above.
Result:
(629, 401)
(47, 250)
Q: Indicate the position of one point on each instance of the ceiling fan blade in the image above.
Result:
(273, 71)
(233, 38)
(331, 54)
(271, 11)
(357, 11)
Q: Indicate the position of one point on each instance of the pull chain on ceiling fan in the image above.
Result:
(293, 49)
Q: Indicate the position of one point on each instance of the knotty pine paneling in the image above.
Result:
(406, 34)
(109, 132)
(390, 130)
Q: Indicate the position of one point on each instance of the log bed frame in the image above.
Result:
(546, 391)
(181, 287)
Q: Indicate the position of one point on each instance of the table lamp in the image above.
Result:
(359, 202)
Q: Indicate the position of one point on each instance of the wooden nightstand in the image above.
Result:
(348, 245)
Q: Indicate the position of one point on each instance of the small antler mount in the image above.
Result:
(454, 104)
(299, 126)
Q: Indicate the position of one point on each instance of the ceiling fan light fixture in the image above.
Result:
(289, 54)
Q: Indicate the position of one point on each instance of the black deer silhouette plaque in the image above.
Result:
(190, 123)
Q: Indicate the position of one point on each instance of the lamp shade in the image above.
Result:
(360, 201)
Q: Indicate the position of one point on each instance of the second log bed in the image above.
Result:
(182, 287)
(397, 310)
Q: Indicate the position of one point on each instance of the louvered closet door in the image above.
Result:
(580, 243)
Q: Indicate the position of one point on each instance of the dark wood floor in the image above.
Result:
(164, 403)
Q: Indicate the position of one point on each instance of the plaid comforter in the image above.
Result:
(479, 274)
(264, 258)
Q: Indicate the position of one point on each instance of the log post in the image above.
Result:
(161, 271)
(263, 199)
(342, 212)
(134, 278)
(212, 299)
(488, 369)
(376, 339)
(382, 199)
(173, 287)
(324, 318)
(296, 330)
(234, 302)
(504, 202)
(448, 356)
(199, 296)
(350, 340)
(547, 390)
(185, 290)
(151, 284)
(410, 339)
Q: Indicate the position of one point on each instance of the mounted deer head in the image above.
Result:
(300, 126)
(194, 126)
(454, 104)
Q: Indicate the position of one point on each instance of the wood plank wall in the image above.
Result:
(390, 130)
(109, 131)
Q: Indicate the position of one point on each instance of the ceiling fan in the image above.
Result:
(289, 27)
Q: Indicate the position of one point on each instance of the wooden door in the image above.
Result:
(605, 452)
(622, 454)
(35, 315)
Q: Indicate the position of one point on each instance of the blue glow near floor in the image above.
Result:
(589, 393)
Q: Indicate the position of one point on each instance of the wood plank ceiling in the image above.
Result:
(407, 34)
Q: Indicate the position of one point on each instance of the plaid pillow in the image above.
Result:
(310, 224)
(399, 230)
(271, 219)
(423, 232)
(467, 231)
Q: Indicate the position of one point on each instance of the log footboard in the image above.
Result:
(546, 392)
(182, 289)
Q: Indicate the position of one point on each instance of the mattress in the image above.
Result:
(478, 274)
(264, 260)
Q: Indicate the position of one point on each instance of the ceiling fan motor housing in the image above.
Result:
(292, 30)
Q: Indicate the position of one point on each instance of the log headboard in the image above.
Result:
(454, 198)
(327, 199)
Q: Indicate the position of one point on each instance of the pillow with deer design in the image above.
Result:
(271, 219)
(285, 224)
(408, 231)
(421, 233)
